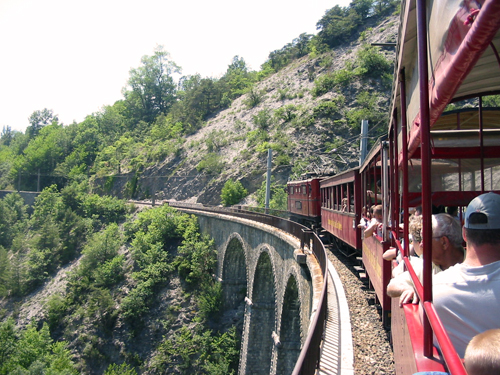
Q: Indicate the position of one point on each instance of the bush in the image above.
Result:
(262, 119)
(123, 369)
(325, 110)
(372, 62)
(232, 193)
(211, 164)
(286, 113)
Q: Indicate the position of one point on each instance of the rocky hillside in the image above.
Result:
(303, 112)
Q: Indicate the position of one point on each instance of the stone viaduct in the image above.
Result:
(279, 284)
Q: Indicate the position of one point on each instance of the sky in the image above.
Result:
(74, 57)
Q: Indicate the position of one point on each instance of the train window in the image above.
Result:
(304, 189)
(298, 205)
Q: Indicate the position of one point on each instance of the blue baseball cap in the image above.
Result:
(484, 211)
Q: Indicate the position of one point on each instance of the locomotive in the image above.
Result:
(441, 149)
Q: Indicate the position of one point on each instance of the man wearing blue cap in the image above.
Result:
(467, 295)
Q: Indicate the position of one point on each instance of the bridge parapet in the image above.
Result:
(277, 279)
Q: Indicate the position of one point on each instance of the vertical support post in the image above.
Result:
(385, 188)
(404, 148)
(38, 182)
(364, 141)
(153, 193)
(425, 149)
(268, 179)
(481, 141)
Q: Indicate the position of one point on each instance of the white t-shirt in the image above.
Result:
(418, 266)
(467, 299)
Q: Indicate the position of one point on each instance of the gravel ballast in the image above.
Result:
(372, 348)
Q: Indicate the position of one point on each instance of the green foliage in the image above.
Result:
(254, 98)
(13, 213)
(39, 119)
(341, 24)
(103, 210)
(150, 233)
(262, 119)
(492, 101)
(216, 140)
(278, 59)
(32, 351)
(55, 310)
(366, 109)
(4, 271)
(123, 369)
(329, 81)
(197, 351)
(325, 110)
(238, 79)
(278, 200)
(232, 193)
(153, 88)
(286, 113)
(210, 299)
(211, 164)
(372, 62)
(257, 136)
(197, 257)
(101, 248)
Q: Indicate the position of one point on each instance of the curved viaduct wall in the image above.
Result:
(257, 268)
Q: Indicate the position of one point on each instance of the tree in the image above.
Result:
(4, 273)
(6, 136)
(237, 78)
(232, 193)
(39, 119)
(153, 87)
(278, 199)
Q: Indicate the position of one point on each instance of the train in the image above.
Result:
(441, 150)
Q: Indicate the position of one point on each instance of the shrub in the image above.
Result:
(262, 119)
(123, 369)
(372, 62)
(325, 110)
(211, 164)
(286, 113)
(323, 84)
(254, 98)
(232, 193)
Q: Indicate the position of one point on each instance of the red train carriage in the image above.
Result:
(374, 177)
(304, 202)
(341, 207)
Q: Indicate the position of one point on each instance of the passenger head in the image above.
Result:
(482, 220)
(415, 229)
(452, 210)
(445, 225)
(481, 355)
(446, 241)
(377, 212)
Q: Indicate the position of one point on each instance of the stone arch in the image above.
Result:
(290, 329)
(234, 273)
(262, 317)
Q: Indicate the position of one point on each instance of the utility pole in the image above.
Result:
(364, 141)
(268, 180)
(153, 193)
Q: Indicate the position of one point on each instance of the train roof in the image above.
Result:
(461, 60)
(304, 181)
